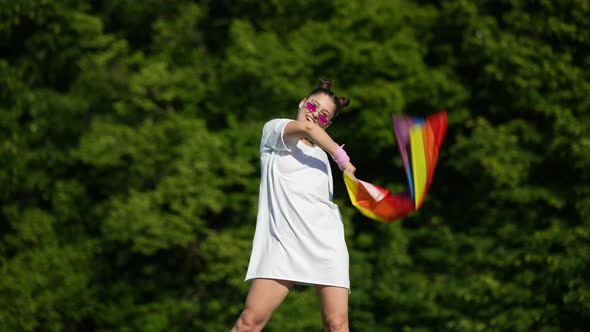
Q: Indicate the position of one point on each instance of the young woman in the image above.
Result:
(299, 236)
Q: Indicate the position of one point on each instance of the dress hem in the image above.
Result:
(299, 282)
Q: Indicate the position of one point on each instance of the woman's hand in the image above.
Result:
(348, 168)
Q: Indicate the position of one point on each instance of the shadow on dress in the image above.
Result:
(308, 160)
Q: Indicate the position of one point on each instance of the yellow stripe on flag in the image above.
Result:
(419, 173)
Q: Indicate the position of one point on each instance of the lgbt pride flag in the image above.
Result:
(418, 140)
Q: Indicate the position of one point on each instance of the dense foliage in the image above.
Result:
(129, 134)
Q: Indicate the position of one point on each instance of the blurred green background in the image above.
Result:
(129, 170)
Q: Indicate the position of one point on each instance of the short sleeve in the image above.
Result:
(272, 135)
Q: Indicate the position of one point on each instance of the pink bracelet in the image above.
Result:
(340, 156)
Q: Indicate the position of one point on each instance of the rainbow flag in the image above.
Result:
(418, 140)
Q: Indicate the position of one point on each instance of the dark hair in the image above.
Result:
(324, 87)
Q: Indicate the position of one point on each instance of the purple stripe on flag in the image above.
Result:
(401, 126)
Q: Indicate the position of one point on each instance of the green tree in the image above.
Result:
(129, 159)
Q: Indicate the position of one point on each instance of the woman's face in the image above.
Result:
(318, 108)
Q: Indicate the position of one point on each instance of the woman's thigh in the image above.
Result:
(266, 295)
(334, 302)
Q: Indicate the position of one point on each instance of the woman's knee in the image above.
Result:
(336, 323)
(249, 320)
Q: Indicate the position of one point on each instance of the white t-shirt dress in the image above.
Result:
(299, 231)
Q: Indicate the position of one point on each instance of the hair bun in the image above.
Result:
(343, 101)
(325, 84)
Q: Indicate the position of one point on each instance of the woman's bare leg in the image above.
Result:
(334, 302)
(264, 297)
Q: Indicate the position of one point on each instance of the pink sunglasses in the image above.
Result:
(312, 108)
